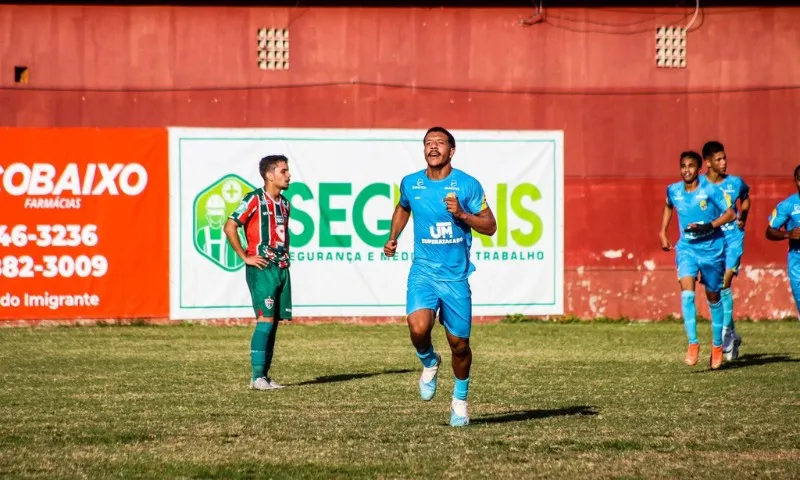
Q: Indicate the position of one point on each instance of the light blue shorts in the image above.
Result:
(451, 300)
(794, 276)
(734, 249)
(710, 267)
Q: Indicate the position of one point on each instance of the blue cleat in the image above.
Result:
(458, 413)
(427, 381)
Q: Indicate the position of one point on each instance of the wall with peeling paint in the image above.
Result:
(588, 72)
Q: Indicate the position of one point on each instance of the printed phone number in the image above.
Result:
(49, 235)
(53, 266)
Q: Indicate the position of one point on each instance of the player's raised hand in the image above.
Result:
(451, 202)
(794, 234)
(665, 243)
(256, 261)
(390, 247)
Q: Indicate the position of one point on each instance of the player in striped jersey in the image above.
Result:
(264, 216)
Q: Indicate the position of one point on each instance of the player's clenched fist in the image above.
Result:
(451, 201)
(389, 248)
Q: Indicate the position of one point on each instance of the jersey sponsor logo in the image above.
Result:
(420, 185)
(441, 234)
(795, 210)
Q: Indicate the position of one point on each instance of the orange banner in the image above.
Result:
(84, 223)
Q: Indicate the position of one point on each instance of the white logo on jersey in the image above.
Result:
(443, 229)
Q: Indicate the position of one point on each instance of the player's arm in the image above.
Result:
(478, 216)
(666, 218)
(237, 219)
(744, 207)
(728, 215)
(482, 222)
(776, 230)
(402, 212)
(399, 221)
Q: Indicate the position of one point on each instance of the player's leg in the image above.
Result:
(456, 316)
(421, 306)
(793, 269)
(262, 294)
(282, 310)
(712, 269)
(730, 339)
(687, 272)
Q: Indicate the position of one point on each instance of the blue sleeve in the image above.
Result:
(404, 194)
(720, 198)
(476, 202)
(779, 217)
(744, 191)
(669, 199)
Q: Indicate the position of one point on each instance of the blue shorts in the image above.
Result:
(794, 277)
(710, 267)
(734, 249)
(452, 301)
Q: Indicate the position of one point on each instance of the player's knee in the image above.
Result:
(713, 297)
(461, 349)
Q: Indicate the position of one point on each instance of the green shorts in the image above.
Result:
(271, 291)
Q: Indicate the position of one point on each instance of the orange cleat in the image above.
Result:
(716, 357)
(692, 353)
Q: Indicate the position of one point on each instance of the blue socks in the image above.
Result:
(727, 309)
(461, 388)
(259, 346)
(428, 357)
(716, 322)
(689, 311)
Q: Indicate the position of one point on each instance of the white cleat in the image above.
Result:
(264, 383)
(730, 346)
(458, 413)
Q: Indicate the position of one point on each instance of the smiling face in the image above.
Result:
(690, 168)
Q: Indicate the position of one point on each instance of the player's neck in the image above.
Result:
(715, 177)
(272, 191)
(439, 173)
(690, 187)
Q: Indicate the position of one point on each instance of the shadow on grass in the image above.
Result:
(346, 377)
(754, 360)
(524, 415)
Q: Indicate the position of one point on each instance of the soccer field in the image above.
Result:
(578, 400)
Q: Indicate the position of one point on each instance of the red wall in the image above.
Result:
(589, 72)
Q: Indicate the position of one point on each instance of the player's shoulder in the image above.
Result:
(413, 178)
(674, 188)
(251, 195)
(790, 202)
(465, 178)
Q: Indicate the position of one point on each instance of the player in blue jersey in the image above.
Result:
(447, 205)
(702, 209)
(738, 194)
(784, 224)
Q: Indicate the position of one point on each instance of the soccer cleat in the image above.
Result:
(692, 353)
(716, 357)
(427, 381)
(264, 383)
(730, 348)
(458, 413)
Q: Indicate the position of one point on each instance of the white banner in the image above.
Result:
(344, 187)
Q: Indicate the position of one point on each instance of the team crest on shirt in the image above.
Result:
(703, 204)
(269, 303)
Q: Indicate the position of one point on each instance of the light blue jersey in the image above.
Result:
(438, 279)
(702, 205)
(735, 190)
(441, 243)
(787, 216)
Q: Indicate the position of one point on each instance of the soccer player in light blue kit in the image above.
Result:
(738, 194)
(784, 224)
(447, 205)
(702, 209)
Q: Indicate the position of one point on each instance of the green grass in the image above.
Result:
(547, 400)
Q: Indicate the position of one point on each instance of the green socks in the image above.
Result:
(259, 348)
